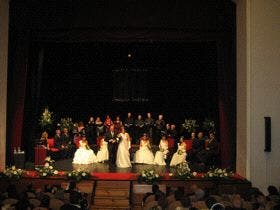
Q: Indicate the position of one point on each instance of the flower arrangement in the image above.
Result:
(48, 169)
(46, 119)
(148, 176)
(12, 173)
(219, 173)
(78, 175)
(66, 123)
(209, 125)
(190, 125)
(182, 171)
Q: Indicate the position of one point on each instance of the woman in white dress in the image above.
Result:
(144, 154)
(179, 156)
(123, 156)
(103, 153)
(162, 153)
(84, 155)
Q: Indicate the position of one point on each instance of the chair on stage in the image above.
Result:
(171, 143)
(54, 152)
(188, 144)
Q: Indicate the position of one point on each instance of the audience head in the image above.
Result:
(272, 190)
(75, 197)
(155, 188)
(237, 201)
(186, 202)
(12, 191)
(45, 201)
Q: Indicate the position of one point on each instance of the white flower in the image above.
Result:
(157, 175)
(170, 174)
(84, 174)
(210, 175)
(220, 171)
(144, 175)
(48, 158)
(55, 172)
(13, 168)
(15, 173)
(226, 174)
(70, 174)
(47, 165)
(44, 174)
(194, 174)
(50, 167)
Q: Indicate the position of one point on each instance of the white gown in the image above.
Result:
(144, 154)
(161, 154)
(123, 156)
(179, 156)
(103, 153)
(84, 156)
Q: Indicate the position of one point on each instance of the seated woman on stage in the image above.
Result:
(144, 154)
(179, 156)
(84, 155)
(162, 153)
(103, 153)
(44, 140)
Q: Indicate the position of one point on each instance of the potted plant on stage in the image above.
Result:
(78, 175)
(183, 172)
(218, 173)
(189, 126)
(48, 169)
(209, 125)
(12, 173)
(149, 177)
(46, 120)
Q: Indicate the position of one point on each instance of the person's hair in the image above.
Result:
(75, 197)
(72, 185)
(210, 201)
(272, 190)
(45, 201)
(186, 202)
(155, 188)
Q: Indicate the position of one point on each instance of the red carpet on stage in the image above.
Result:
(115, 176)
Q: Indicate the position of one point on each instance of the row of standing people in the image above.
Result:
(135, 127)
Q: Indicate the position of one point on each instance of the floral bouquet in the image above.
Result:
(182, 171)
(66, 123)
(208, 125)
(148, 176)
(46, 119)
(78, 175)
(12, 173)
(47, 169)
(190, 125)
(219, 173)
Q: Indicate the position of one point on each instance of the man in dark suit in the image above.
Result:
(111, 138)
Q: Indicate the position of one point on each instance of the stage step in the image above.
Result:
(111, 195)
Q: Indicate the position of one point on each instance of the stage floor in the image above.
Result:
(66, 165)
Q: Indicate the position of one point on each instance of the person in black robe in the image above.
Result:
(138, 128)
(208, 156)
(159, 129)
(91, 131)
(111, 138)
(67, 148)
(149, 125)
(128, 124)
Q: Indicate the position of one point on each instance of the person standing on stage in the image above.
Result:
(67, 146)
(123, 155)
(100, 129)
(159, 128)
(91, 131)
(128, 125)
(118, 124)
(149, 125)
(139, 128)
(112, 138)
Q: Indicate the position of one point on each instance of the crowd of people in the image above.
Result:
(46, 198)
(198, 198)
(114, 140)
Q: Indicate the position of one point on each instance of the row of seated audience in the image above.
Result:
(253, 199)
(55, 198)
(50, 198)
